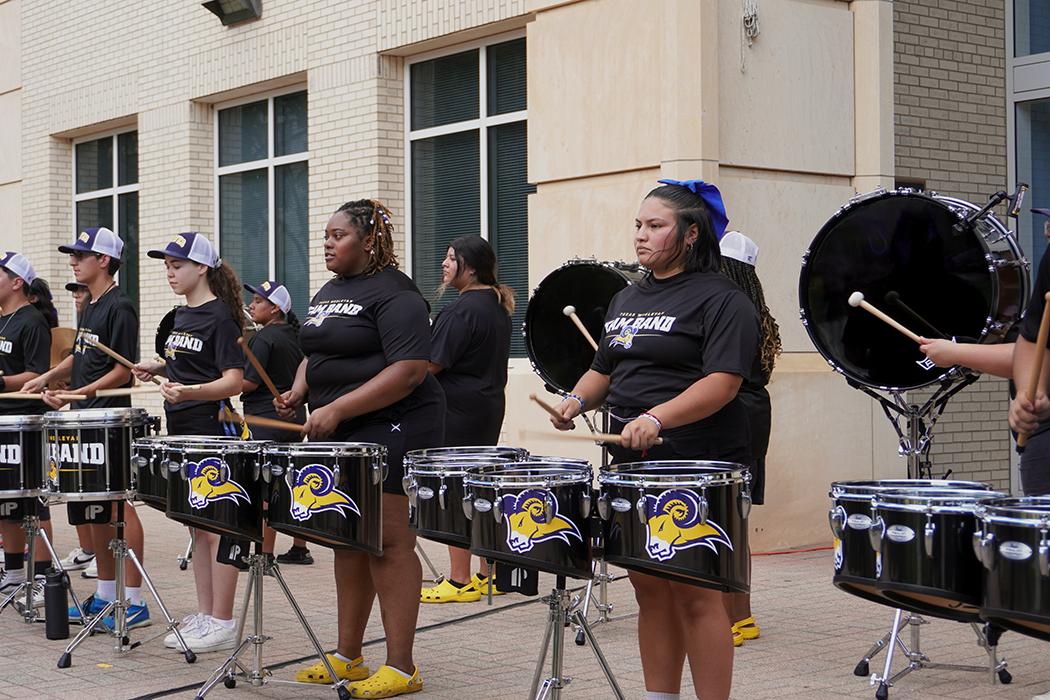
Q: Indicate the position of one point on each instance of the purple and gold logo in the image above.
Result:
(673, 524)
(532, 517)
(210, 482)
(315, 492)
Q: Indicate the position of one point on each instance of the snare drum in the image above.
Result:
(851, 516)
(681, 520)
(21, 456)
(154, 457)
(89, 452)
(215, 484)
(531, 514)
(926, 561)
(328, 493)
(434, 484)
(1013, 543)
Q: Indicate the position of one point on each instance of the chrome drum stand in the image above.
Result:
(31, 524)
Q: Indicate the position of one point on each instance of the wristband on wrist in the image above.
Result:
(654, 419)
(574, 396)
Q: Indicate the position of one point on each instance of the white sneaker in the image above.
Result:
(91, 571)
(191, 624)
(78, 560)
(8, 586)
(213, 638)
(1044, 696)
(38, 592)
(8, 583)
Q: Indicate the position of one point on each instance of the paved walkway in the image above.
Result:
(812, 638)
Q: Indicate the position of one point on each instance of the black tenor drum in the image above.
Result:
(851, 516)
(1013, 543)
(155, 458)
(216, 484)
(531, 514)
(434, 484)
(911, 248)
(330, 493)
(558, 351)
(684, 521)
(926, 561)
(89, 452)
(22, 449)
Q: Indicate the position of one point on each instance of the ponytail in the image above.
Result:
(223, 283)
(292, 320)
(506, 298)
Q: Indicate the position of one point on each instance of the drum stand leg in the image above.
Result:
(118, 608)
(31, 524)
(560, 611)
(435, 577)
(184, 559)
(232, 669)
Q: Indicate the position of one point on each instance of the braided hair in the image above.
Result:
(372, 221)
(745, 276)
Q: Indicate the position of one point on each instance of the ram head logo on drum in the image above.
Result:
(208, 484)
(528, 523)
(673, 523)
(314, 492)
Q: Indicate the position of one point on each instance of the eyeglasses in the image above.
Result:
(79, 255)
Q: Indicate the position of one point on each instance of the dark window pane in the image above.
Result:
(446, 201)
(289, 116)
(1031, 28)
(506, 77)
(128, 158)
(242, 133)
(95, 165)
(95, 212)
(243, 232)
(128, 230)
(445, 90)
(292, 219)
(509, 190)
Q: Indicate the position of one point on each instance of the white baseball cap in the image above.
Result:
(17, 263)
(96, 240)
(739, 247)
(190, 246)
(276, 294)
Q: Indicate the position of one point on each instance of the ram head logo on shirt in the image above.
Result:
(315, 492)
(210, 482)
(625, 337)
(532, 517)
(673, 524)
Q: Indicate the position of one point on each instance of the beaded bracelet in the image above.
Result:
(574, 396)
(654, 419)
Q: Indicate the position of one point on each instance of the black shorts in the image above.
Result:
(201, 419)
(14, 511)
(93, 512)
(397, 443)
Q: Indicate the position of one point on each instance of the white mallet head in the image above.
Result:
(569, 310)
(855, 299)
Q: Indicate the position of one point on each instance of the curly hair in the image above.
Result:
(223, 283)
(372, 221)
(745, 276)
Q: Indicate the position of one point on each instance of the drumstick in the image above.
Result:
(259, 368)
(23, 395)
(593, 437)
(857, 299)
(547, 407)
(894, 299)
(143, 389)
(262, 422)
(1037, 365)
(570, 311)
(127, 363)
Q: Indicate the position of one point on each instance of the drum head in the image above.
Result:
(904, 243)
(558, 351)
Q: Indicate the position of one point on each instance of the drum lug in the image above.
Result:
(705, 508)
(585, 503)
(1044, 557)
(267, 471)
(745, 505)
(928, 531)
(604, 506)
(408, 483)
(984, 548)
(256, 469)
(441, 495)
(640, 507)
(875, 533)
(548, 507)
(224, 469)
(837, 520)
(497, 507)
(468, 506)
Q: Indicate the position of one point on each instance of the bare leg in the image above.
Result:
(136, 541)
(223, 589)
(708, 640)
(84, 538)
(356, 593)
(660, 634)
(396, 577)
(203, 565)
(460, 565)
(269, 539)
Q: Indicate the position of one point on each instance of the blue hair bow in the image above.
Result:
(712, 198)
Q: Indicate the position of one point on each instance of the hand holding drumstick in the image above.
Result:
(1030, 405)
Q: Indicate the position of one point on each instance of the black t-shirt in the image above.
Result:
(25, 346)
(471, 341)
(201, 345)
(111, 319)
(276, 347)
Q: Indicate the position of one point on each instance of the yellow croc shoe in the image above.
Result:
(344, 671)
(445, 592)
(482, 584)
(386, 683)
(747, 628)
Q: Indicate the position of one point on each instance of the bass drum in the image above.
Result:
(558, 351)
(902, 245)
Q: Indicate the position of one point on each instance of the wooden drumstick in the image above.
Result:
(259, 368)
(23, 395)
(570, 311)
(261, 421)
(857, 299)
(1037, 364)
(593, 437)
(144, 389)
(547, 407)
(116, 356)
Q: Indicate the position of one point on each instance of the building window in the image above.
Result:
(106, 193)
(467, 165)
(263, 192)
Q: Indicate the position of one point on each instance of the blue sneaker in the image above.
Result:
(138, 616)
(92, 606)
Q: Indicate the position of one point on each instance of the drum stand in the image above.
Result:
(435, 577)
(118, 608)
(561, 610)
(232, 668)
(987, 637)
(31, 524)
(185, 559)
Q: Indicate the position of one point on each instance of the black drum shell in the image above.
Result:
(570, 556)
(148, 479)
(1016, 594)
(107, 474)
(946, 584)
(626, 538)
(238, 519)
(22, 450)
(360, 467)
